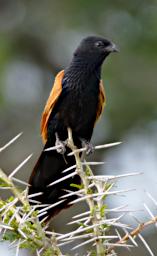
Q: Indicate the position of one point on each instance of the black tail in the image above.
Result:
(49, 168)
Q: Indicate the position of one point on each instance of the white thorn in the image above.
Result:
(40, 251)
(15, 215)
(9, 205)
(149, 211)
(61, 179)
(96, 147)
(118, 234)
(17, 248)
(51, 206)
(130, 237)
(78, 237)
(45, 218)
(152, 198)
(52, 233)
(69, 168)
(86, 242)
(41, 214)
(40, 205)
(27, 215)
(111, 177)
(92, 163)
(22, 233)
(64, 243)
(34, 201)
(19, 166)
(12, 243)
(21, 181)
(79, 220)
(78, 192)
(53, 148)
(38, 254)
(81, 214)
(119, 245)
(35, 194)
(2, 225)
(146, 245)
(10, 142)
(5, 188)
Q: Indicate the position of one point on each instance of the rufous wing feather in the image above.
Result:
(101, 101)
(53, 97)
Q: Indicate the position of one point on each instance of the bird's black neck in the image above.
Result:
(83, 68)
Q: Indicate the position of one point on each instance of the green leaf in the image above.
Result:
(49, 252)
(79, 186)
(88, 171)
(29, 244)
(3, 183)
(11, 236)
(102, 210)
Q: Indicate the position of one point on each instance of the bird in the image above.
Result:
(76, 101)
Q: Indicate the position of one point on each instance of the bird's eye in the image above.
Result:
(99, 44)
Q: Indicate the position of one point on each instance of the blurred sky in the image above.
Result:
(38, 39)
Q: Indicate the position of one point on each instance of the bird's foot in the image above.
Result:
(61, 145)
(88, 145)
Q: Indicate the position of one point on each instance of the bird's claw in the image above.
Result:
(89, 146)
(61, 145)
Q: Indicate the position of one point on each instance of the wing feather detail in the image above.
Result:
(53, 97)
(101, 101)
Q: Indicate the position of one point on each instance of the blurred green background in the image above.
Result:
(37, 39)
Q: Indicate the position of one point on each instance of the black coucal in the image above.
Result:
(76, 101)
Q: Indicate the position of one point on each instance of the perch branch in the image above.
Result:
(134, 233)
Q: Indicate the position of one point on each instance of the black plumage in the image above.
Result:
(76, 107)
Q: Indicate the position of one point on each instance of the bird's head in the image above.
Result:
(95, 48)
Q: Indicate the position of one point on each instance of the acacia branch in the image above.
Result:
(134, 233)
(95, 217)
(8, 182)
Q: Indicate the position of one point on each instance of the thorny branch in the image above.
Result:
(95, 213)
(20, 224)
(134, 233)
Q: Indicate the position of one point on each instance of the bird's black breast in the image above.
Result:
(77, 106)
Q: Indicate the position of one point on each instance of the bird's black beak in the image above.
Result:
(112, 48)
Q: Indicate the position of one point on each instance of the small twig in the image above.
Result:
(135, 232)
(14, 190)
